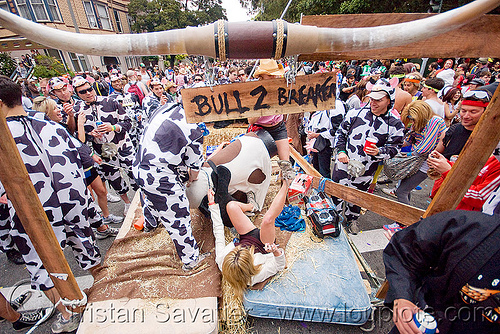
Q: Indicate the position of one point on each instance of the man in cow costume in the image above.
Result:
(154, 101)
(130, 103)
(169, 158)
(106, 128)
(53, 164)
(355, 166)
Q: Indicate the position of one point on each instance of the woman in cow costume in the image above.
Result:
(169, 158)
(54, 167)
(356, 165)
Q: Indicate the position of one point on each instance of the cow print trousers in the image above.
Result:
(6, 242)
(352, 211)
(169, 205)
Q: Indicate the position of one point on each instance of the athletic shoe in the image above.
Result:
(110, 232)
(195, 263)
(393, 227)
(287, 171)
(62, 325)
(251, 200)
(21, 300)
(29, 319)
(112, 219)
(384, 180)
(390, 192)
(125, 209)
(353, 228)
(113, 198)
(14, 256)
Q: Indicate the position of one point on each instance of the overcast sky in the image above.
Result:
(234, 10)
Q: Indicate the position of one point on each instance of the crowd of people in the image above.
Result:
(128, 130)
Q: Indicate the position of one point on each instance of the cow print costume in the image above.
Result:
(6, 242)
(168, 148)
(108, 110)
(351, 136)
(54, 167)
(132, 106)
(150, 104)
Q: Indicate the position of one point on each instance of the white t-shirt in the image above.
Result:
(437, 107)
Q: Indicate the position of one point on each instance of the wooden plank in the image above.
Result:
(402, 213)
(22, 194)
(476, 152)
(467, 41)
(260, 98)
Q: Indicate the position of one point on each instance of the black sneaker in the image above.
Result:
(28, 319)
(14, 256)
(21, 300)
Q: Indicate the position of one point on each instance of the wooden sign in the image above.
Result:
(260, 98)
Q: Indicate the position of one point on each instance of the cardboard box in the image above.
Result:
(300, 187)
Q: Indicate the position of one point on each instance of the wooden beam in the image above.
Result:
(260, 98)
(22, 194)
(402, 213)
(467, 41)
(471, 160)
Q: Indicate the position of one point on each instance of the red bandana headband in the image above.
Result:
(475, 103)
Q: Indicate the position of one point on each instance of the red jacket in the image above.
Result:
(486, 181)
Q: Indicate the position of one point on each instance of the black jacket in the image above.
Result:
(439, 255)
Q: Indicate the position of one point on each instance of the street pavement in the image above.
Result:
(370, 242)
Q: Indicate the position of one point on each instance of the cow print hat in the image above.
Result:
(386, 86)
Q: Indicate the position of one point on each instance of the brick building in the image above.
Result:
(83, 16)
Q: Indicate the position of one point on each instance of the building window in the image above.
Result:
(83, 63)
(22, 8)
(4, 6)
(118, 21)
(74, 61)
(39, 10)
(89, 10)
(54, 11)
(130, 22)
(102, 12)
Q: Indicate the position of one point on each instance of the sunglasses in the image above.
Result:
(197, 80)
(479, 94)
(241, 75)
(85, 91)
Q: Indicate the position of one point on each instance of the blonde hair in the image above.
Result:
(45, 105)
(417, 112)
(238, 269)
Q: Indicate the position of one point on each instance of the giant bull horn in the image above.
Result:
(246, 40)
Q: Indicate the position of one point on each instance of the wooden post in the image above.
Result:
(22, 194)
(476, 152)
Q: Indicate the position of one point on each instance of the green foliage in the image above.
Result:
(7, 64)
(272, 9)
(158, 15)
(48, 67)
(150, 58)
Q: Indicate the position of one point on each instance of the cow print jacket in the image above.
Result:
(150, 104)
(108, 110)
(169, 146)
(360, 124)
